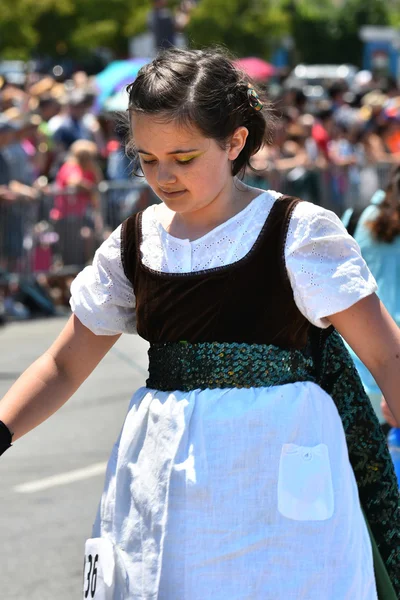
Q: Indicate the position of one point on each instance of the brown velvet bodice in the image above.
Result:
(249, 301)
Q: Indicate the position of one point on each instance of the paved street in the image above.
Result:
(43, 528)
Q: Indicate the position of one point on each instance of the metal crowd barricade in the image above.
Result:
(335, 188)
(59, 231)
(122, 198)
(18, 222)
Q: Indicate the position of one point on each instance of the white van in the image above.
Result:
(315, 79)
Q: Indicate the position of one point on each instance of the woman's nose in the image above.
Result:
(165, 175)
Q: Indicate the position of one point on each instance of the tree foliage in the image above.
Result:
(64, 27)
(323, 30)
(246, 27)
(327, 32)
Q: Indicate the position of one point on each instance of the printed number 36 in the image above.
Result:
(91, 576)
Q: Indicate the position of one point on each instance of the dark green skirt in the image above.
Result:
(383, 584)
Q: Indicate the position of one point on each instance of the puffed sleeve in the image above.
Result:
(324, 263)
(101, 296)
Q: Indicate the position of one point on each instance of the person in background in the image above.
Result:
(307, 122)
(347, 156)
(48, 107)
(164, 24)
(323, 128)
(378, 235)
(7, 196)
(78, 209)
(72, 126)
(297, 161)
(12, 211)
(7, 137)
(336, 92)
(25, 159)
(92, 123)
(161, 23)
(391, 136)
(118, 168)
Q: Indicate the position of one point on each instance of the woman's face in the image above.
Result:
(186, 170)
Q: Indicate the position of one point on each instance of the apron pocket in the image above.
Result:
(99, 570)
(305, 491)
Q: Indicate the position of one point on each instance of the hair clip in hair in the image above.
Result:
(254, 98)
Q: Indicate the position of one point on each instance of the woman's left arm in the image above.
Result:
(369, 329)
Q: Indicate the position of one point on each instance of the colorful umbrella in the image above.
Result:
(116, 76)
(255, 68)
(117, 102)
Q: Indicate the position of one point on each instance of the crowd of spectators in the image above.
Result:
(39, 127)
(55, 149)
(56, 146)
(336, 150)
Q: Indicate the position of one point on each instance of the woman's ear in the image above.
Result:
(237, 142)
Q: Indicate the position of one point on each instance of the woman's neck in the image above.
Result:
(197, 223)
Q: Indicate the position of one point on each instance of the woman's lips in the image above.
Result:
(172, 194)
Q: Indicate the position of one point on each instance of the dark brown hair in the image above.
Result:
(202, 88)
(386, 226)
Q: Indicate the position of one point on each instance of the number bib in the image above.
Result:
(99, 569)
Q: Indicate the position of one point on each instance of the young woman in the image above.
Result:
(231, 476)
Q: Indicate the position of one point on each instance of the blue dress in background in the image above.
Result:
(383, 260)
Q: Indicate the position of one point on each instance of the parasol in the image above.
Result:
(116, 76)
(255, 68)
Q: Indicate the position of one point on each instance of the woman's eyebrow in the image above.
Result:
(173, 152)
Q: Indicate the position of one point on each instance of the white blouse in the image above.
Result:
(324, 264)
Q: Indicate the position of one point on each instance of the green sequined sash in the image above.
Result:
(326, 361)
(187, 367)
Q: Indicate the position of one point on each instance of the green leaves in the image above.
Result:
(327, 31)
(58, 27)
(323, 30)
(246, 27)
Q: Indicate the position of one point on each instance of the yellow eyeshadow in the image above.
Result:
(187, 158)
(181, 159)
